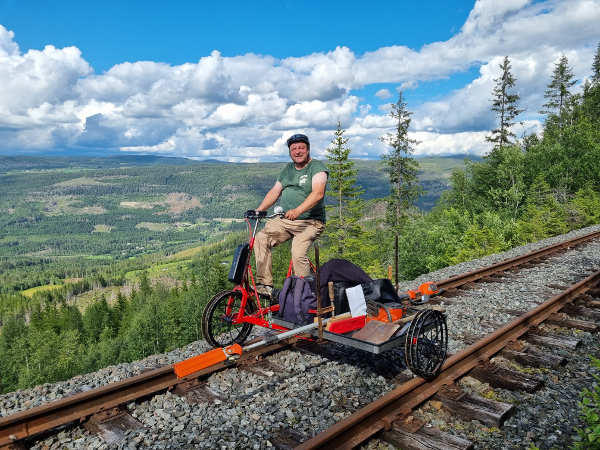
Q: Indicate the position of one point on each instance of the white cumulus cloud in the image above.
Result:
(243, 107)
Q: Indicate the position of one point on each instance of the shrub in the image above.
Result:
(590, 413)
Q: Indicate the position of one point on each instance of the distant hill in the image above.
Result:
(27, 162)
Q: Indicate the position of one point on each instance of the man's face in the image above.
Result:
(299, 153)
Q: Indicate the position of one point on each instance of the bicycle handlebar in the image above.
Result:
(253, 214)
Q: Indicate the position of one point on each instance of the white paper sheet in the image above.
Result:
(356, 300)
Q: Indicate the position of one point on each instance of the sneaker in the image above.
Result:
(264, 290)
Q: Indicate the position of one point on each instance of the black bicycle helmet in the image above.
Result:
(298, 138)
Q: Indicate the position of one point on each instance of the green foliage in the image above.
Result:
(543, 215)
(586, 206)
(506, 188)
(487, 235)
(590, 413)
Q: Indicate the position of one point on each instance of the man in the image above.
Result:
(301, 186)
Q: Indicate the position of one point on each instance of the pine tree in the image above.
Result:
(596, 67)
(343, 228)
(504, 103)
(558, 93)
(402, 169)
(591, 91)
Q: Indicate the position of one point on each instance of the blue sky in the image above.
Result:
(231, 80)
(180, 32)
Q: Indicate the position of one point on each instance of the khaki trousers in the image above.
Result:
(278, 230)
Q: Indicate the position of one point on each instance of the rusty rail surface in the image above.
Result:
(501, 266)
(78, 407)
(400, 402)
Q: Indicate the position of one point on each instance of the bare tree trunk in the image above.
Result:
(396, 258)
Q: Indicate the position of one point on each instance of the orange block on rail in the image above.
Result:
(208, 359)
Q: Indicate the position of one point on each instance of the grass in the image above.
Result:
(102, 229)
(154, 226)
(81, 181)
(82, 301)
(34, 290)
(173, 269)
(188, 253)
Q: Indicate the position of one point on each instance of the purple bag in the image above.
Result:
(295, 299)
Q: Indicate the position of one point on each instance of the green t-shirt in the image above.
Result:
(297, 185)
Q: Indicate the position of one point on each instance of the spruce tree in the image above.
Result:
(557, 92)
(596, 67)
(591, 90)
(504, 104)
(402, 169)
(343, 228)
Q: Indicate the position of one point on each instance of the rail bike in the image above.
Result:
(387, 322)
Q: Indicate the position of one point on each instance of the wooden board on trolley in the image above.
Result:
(347, 339)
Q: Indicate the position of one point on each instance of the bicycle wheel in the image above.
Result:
(426, 343)
(217, 320)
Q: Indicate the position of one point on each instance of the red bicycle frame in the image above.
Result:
(247, 287)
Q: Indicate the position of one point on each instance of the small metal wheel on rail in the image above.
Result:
(426, 343)
(217, 320)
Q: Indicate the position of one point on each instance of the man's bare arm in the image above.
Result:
(271, 197)
(319, 183)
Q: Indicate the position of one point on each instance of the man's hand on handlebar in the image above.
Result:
(292, 214)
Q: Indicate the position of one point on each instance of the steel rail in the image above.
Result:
(501, 266)
(78, 407)
(399, 403)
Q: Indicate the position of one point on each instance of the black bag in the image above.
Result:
(238, 265)
(381, 290)
(296, 298)
(344, 274)
(340, 299)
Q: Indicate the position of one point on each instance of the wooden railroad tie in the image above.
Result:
(534, 359)
(589, 313)
(196, 392)
(551, 340)
(112, 424)
(424, 438)
(562, 320)
(501, 377)
(473, 407)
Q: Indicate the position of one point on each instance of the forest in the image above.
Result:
(522, 191)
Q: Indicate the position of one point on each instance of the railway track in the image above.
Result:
(105, 404)
(389, 411)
